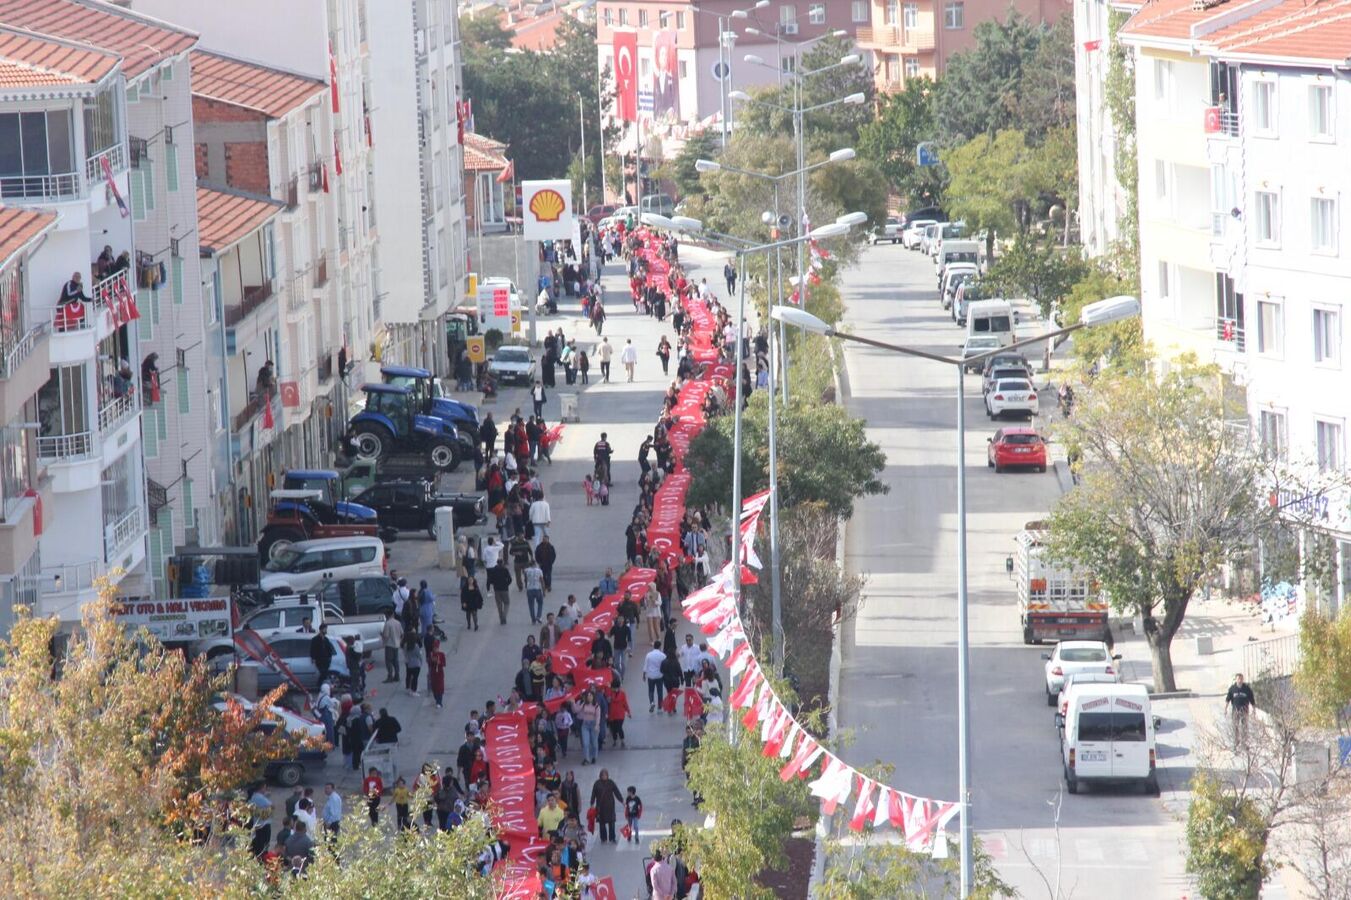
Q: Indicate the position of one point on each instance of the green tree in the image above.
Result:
(986, 183)
(825, 129)
(981, 89)
(1226, 842)
(1046, 86)
(1168, 494)
(1031, 269)
(825, 457)
(483, 32)
(871, 868)
(1051, 176)
(905, 119)
(1323, 676)
(1118, 346)
(686, 177)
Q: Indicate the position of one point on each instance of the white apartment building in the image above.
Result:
(419, 175)
(1102, 200)
(1243, 193)
(66, 148)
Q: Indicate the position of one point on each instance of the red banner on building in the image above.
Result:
(626, 75)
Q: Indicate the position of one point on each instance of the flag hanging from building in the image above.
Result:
(333, 75)
(107, 168)
(626, 75)
(507, 173)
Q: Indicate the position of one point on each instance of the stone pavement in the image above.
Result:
(483, 664)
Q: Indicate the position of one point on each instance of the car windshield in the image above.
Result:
(282, 560)
(1021, 439)
(1014, 386)
(980, 345)
(1007, 373)
(513, 354)
(1083, 654)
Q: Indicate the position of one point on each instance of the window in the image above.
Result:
(623, 16)
(859, 12)
(1323, 225)
(816, 14)
(893, 68)
(1270, 328)
(684, 69)
(910, 15)
(1162, 171)
(663, 19)
(1329, 444)
(892, 15)
(1163, 81)
(642, 18)
(1267, 218)
(788, 15)
(1264, 107)
(680, 20)
(100, 123)
(1165, 281)
(788, 63)
(1271, 431)
(954, 14)
(609, 17)
(911, 67)
(1327, 336)
(1320, 112)
(34, 144)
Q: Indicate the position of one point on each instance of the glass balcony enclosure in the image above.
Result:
(58, 153)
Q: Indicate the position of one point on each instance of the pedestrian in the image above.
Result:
(690, 657)
(521, 554)
(550, 634)
(538, 397)
(619, 711)
(664, 354)
(300, 844)
(332, 810)
(327, 708)
(1239, 701)
(436, 672)
(589, 714)
(652, 674)
(633, 811)
(499, 579)
(260, 811)
(605, 352)
(403, 818)
(321, 652)
(729, 273)
(487, 435)
(426, 614)
(471, 599)
(563, 727)
(605, 796)
(387, 728)
(545, 556)
(583, 366)
(570, 792)
(670, 675)
(359, 730)
(629, 357)
(534, 591)
(541, 517)
(550, 817)
(412, 661)
(652, 613)
(373, 788)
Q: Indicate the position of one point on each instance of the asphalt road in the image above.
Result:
(899, 680)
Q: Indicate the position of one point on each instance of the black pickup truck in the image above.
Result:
(410, 505)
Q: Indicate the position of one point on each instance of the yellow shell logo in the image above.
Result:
(547, 205)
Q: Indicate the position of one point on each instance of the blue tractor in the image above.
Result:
(331, 484)
(391, 424)
(428, 400)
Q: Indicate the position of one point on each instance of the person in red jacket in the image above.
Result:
(436, 672)
(619, 711)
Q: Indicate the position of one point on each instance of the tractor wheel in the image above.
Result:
(373, 442)
(275, 540)
(444, 456)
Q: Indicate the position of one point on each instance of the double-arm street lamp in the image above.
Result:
(1102, 312)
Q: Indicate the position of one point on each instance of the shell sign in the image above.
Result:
(547, 214)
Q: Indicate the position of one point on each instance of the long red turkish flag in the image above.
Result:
(626, 75)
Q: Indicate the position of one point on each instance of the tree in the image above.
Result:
(981, 89)
(1226, 842)
(1050, 176)
(1118, 346)
(825, 457)
(904, 120)
(871, 868)
(1046, 85)
(986, 183)
(1323, 676)
(1169, 493)
(1028, 269)
(686, 177)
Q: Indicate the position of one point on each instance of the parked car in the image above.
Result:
(994, 374)
(1074, 657)
(928, 241)
(294, 651)
(1074, 678)
(411, 505)
(888, 231)
(306, 564)
(300, 726)
(1013, 359)
(512, 363)
(600, 211)
(913, 232)
(661, 204)
(1108, 736)
(954, 276)
(1012, 447)
(992, 317)
(1012, 395)
(350, 607)
(975, 346)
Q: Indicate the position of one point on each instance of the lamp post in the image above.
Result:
(1100, 313)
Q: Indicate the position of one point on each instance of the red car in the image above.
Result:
(596, 213)
(1018, 446)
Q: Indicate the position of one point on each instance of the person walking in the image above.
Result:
(1239, 700)
(534, 591)
(664, 354)
(618, 712)
(690, 657)
(606, 798)
(436, 672)
(545, 556)
(260, 814)
(550, 633)
(471, 599)
(633, 811)
(538, 397)
(670, 675)
(426, 614)
(629, 357)
(412, 661)
(332, 810)
(605, 352)
(373, 788)
(729, 273)
(321, 652)
(583, 366)
(541, 517)
(487, 435)
(499, 579)
(359, 730)
(589, 714)
(652, 665)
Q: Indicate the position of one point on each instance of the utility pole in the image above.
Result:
(581, 121)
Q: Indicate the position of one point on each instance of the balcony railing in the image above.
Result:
(882, 35)
(68, 578)
(118, 535)
(251, 409)
(107, 290)
(919, 39)
(1229, 122)
(66, 447)
(117, 161)
(118, 410)
(321, 271)
(316, 178)
(65, 186)
(324, 365)
(1230, 334)
(254, 297)
(22, 349)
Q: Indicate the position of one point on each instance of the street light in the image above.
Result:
(1112, 309)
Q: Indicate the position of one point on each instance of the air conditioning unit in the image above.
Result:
(790, 28)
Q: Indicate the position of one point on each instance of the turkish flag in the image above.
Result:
(626, 75)
(268, 421)
(1212, 119)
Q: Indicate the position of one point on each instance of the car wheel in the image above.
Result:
(289, 774)
(1051, 698)
(1071, 783)
(1152, 785)
(431, 532)
(1027, 635)
(998, 469)
(1041, 468)
(989, 462)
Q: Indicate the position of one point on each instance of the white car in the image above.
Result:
(294, 722)
(914, 232)
(889, 231)
(953, 277)
(975, 346)
(1011, 395)
(1075, 658)
(1082, 678)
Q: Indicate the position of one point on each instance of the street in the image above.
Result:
(899, 676)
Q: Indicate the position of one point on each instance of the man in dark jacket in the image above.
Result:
(487, 435)
(606, 798)
(358, 734)
(499, 579)
(546, 555)
(464, 759)
(321, 652)
(387, 728)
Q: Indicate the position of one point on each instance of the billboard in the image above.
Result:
(547, 215)
(665, 76)
(177, 620)
(494, 307)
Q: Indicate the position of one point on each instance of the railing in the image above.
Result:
(325, 366)
(68, 578)
(117, 160)
(1270, 658)
(254, 297)
(107, 291)
(886, 35)
(1219, 221)
(66, 447)
(293, 192)
(116, 411)
(40, 187)
(298, 297)
(1230, 334)
(120, 533)
(156, 498)
(919, 40)
(22, 349)
(321, 271)
(251, 409)
(66, 318)
(1229, 122)
(316, 177)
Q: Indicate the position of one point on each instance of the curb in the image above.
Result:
(1183, 694)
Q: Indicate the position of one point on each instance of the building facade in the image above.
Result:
(1102, 199)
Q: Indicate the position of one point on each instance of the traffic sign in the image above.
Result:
(477, 348)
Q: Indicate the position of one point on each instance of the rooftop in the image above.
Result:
(1292, 29)
(29, 60)
(226, 217)
(141, 41)
(272, 92)
(19, 228)
(1176, 19)
(483, 154)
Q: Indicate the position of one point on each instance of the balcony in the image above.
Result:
(880, 37)
(64, 186)
(298, 296)
(23, 370)
(324, 366)
(66, 447)
(1230, 335)
(246, 415)
(110, 289)
(19, 523)
(918, 41)
(321, 271)
(254, 297)
(116, 156)
(69, 578)
(119, 535)
(316, 178)
(116, 412)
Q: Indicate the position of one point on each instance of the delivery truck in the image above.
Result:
(1054, 603)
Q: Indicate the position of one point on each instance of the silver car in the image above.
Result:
(295, 653)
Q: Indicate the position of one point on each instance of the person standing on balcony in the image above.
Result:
(103, 266)
(73, 290)
(267, 380)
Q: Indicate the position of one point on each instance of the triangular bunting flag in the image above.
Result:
(863, 809)
(807, 753)
(786, 750)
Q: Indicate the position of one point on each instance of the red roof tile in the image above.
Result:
(18, 228)
(270, 91)
(1293, 29)
(223, 218)
(483, 154)
(28, 59)
(1173, 19)
(141, 41)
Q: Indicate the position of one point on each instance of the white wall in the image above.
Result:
(282, 34)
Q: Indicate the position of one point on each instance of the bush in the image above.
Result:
(1226, 842)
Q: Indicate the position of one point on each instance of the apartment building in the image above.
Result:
(1244, 258)
(418, 172)
(912, 38)
(68, 148)
(1102, 199)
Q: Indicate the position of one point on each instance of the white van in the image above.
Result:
(1107, 736)
(991, 318)
(308, 565)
